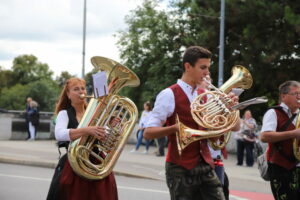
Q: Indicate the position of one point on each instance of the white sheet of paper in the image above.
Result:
(100, 84)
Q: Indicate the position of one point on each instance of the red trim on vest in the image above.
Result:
(285, 145)
(191, 155)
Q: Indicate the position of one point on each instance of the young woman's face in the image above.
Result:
(74, 92)
(248, 115)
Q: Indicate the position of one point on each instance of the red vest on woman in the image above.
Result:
(285, 146)
(197, 150)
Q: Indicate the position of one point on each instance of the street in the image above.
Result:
(32, 183)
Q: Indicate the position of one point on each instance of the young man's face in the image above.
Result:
(199, 71)
(292, 97)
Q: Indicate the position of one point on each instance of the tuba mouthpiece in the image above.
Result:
(82, 96)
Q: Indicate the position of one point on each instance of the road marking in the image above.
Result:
(118, 186)
(236, 197)
(26, 177)
(142, 189)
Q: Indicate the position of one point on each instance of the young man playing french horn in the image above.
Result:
(279, 131)
(189, 175)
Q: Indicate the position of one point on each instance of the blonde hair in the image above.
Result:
(33, 104)
(64, 102)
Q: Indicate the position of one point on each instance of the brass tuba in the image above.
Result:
(296, 147)
(89, 157)
(215, 115)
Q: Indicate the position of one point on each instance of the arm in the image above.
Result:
(237, 125)
(269, 133)
(157, 132)
(163, 108)
(273, 136)
(62, 133)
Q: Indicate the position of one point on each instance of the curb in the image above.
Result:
(52, 165)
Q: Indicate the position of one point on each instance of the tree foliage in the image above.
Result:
(28, 78)
(262, 35)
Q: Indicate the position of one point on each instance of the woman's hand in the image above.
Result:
(114, 121)
(97, 131)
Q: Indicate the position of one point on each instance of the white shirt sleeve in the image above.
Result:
(269, 121)
(163, 108)
(62, 133)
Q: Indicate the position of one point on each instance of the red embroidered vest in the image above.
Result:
(197, 150)
(286, 146)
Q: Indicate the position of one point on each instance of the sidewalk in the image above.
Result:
(44, 153)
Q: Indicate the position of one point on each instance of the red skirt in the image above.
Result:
(73, 187)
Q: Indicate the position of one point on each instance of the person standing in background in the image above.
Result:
(33, 118)
(247, 139)
(27, 108)
(140, 134)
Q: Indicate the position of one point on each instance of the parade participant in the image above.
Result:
(278, 130)
(189, 176)
(66, 184)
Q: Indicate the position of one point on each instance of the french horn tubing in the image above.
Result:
(215, 115)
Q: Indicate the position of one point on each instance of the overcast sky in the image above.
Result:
(52, 31)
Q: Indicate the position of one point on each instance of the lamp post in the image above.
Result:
(221, 46)
(83, 45)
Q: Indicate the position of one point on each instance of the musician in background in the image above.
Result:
(189, 176)
(66, 184)
(278, 130)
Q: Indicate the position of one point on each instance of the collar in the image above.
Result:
(186, 87)
(287, 110)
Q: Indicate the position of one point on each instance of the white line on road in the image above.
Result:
(26, 177)
(142, 189)
(119, 186)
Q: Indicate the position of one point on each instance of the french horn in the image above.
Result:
(215, 115)
(92, 158)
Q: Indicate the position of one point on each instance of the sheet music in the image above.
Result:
(100, 84)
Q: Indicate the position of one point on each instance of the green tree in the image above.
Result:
(261, 35)
(27, 69)
(63, 77)
(14, 98)
(150, 48)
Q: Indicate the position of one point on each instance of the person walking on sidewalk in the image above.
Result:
(189, 176)
(66, 184)
(278, 129)
(144, 118)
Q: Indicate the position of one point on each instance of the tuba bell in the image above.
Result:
(92, 158)
(296, 147)
(215, 115)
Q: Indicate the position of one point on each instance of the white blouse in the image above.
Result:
(62, 133)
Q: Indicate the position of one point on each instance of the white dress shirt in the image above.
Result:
(165, 104)
(62, 133)
(270, 118)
